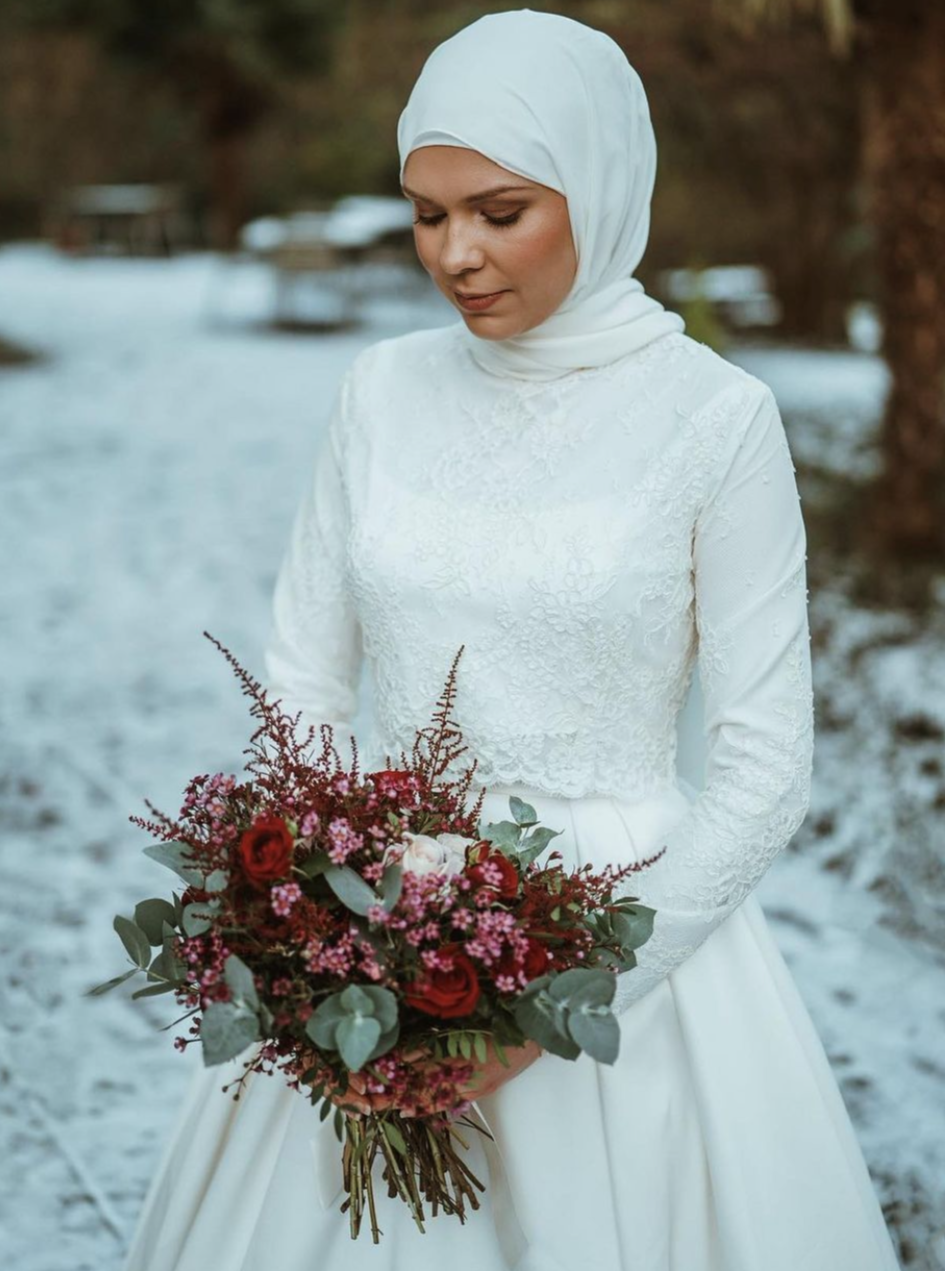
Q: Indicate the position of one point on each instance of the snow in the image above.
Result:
(151, 463)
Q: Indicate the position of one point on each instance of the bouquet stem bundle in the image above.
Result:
(421, 1163)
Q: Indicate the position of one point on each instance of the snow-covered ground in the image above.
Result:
(150, 466)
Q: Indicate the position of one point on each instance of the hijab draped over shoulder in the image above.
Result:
(557, 102)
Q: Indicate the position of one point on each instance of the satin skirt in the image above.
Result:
(718, 1141)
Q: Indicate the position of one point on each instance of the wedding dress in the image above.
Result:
(585, 539)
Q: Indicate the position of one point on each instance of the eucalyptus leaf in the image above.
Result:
(504, 834)
(178, 857)
(357, 1035)
(134, 940)
(385, 1004)
(523, 813)
(216, 880)
(392, 884)
(542, 1019)
(597, 1034)
(596, 990)
(321, 1025)
(198, 917)
(99, 989)
(226, 1029)
(152, 990)
(633, 927)
(150, 915)
(240, 980)
(566, 984)
(357, 1001)
(385, 1042)
(532, 846)
(546, 1027)
(351, 889)
(315, 864)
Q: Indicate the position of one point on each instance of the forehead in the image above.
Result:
(430, 170)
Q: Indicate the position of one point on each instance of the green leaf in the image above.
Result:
(452, 1046)
(392, 884)
(500, 1052)
(134, 940)
(150, 916)
(597, 1034)
(174, 967)
(357, 1035)
(479, 1044)
(321, 1025)
(152, 990)
(177, 856)
(216, 880)
(356, 1001)
(584, 987)
(385, 1004)
(110, 984)
(198, 917)
(465, 1046)
(394, 820)
(240, 980)
(504, 834)
(351, 889)
(394, 1137)
(566, 984)
(633, 926)
(339, 1125)
(226, 1029)
(315, 864)
(324, 1112)
(523, 813)
(542, 1019)
(532, 846)
(385, 1042)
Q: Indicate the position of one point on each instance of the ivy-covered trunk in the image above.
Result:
(904, 104)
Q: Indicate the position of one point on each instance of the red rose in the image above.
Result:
(394, 783)
(447, 994)
(501, 871)
(534, 963)
(266, 850)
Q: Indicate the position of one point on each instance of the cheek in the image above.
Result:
(548, 253)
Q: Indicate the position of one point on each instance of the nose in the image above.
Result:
(460, 249)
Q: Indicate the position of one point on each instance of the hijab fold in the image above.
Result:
(557, 102)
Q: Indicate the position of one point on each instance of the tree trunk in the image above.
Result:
(227, 188)
(904, 102)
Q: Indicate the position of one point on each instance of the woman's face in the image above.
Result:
(474, 240)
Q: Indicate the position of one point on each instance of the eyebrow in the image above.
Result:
(473, 198)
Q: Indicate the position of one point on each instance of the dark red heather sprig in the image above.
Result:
(368, 925)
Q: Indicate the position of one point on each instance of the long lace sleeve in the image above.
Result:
(749, 563)
(314, 652)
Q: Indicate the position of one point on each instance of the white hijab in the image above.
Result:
(557, 102)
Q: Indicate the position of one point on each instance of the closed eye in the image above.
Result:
(499, 222)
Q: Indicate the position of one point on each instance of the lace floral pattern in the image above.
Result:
(586, 539)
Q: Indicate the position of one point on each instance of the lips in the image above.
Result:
(483, 300)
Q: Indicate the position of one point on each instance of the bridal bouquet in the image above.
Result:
(366, 935)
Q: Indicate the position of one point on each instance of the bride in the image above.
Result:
(590, 501)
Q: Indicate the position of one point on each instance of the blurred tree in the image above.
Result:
(228, 59)
(898, 47)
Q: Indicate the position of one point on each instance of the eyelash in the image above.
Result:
(504, 223)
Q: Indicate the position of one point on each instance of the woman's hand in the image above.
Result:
(489, 1076)
(486, 1079)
